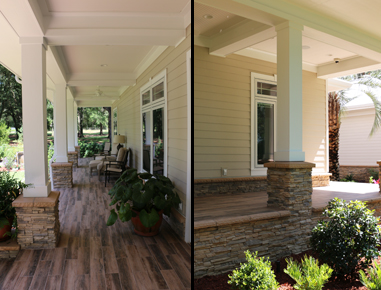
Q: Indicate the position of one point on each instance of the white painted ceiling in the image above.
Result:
(96, 44)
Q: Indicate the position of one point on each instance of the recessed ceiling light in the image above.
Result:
(220, 30)
(306, 47)
(103, 65)
(208, 16)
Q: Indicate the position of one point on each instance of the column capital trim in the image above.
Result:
(289, 24)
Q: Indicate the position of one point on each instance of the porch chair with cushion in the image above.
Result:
(117, 167)
(105, 152)
(102, 166)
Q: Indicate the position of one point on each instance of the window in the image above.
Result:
(115, 121)
(263, 121)
(154, 124)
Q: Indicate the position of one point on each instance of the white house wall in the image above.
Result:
(355, 145)
(222, 114)
(174, 60)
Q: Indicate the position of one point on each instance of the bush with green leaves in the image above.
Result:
(372, 281)
(255, 274)
(4, 133)
(350, 234)
(89, 149)
(308, 275)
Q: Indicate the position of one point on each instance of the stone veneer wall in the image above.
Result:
(62, 174)
(207, 187)
(9, 249)
(320, 180)
(360, 173)
(73, 157)
(38, 221)
(177, 222)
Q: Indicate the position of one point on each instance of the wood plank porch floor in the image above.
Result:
(91, 255)
(241, 204)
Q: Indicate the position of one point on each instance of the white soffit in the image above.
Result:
(337, 85)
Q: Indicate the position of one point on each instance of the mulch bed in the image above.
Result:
(220, 282)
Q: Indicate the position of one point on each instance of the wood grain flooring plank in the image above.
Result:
(40, 276)
(113, 282)
(127, 279)
(23, 283)
(144, 281)
(6, 266)
(31, 265)
(109, 260)
(173, 281)
(160, 257)
(85, 238)
(134, 259)
(12, 275)
(96, 248)
(97, 275)
(154, 272)
(47, 254)
(64, 239)
(164, 245)
(72, 248)
(82, 282)
(69, 274)
(83, 261)
(58, 262)
(182, 271)
(23, 255)
(53, 282)
(183, 254)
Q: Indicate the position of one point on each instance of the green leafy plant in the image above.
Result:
(255, 274)
(9, 158)
(372, 281)
(350, 234)
(373, 173)
(89, 149)
(309, 275)
(4, 133)
(10, 189)
(145, 193)
(348, 178)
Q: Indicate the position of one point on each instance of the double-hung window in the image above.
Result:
(263, 121)
(153, 104)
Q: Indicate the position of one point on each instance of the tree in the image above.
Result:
(92, 117)
(50, 118)
(10, 99)
(366, 83)
(108, 109)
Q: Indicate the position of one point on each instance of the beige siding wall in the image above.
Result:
(222, 129)
(356, 147)
(129, 117)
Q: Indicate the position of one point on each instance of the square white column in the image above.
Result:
(33, 63)
(289, 146)
(75, 123)
(60, 123)
(70, 124)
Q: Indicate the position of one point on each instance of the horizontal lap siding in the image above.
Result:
(174, 60)
(222, 114)
(356, 147)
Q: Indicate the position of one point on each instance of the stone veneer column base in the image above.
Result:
(62, 174)
(289, 186)
(73, 157)
(320, 179)
(38, 221)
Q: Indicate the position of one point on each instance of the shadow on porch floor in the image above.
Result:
(91, 255)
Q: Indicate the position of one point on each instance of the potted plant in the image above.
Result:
(10, 189)
(142, 198)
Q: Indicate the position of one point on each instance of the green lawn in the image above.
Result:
(90, 135)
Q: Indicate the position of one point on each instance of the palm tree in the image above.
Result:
(337, 101)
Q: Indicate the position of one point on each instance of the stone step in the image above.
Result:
(9, 249)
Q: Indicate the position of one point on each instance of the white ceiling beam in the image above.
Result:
(106, 103)
(347, 67)
(102, 79)
(101, 36)
(54, 67)
(102, 83)
(94, 98)
(240, 36)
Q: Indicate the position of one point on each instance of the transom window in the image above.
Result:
(263, 121)
(154, 125)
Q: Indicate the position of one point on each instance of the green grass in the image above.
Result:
(20, 175)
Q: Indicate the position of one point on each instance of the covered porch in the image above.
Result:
(91, 255)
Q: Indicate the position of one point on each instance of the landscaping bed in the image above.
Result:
(220, 282)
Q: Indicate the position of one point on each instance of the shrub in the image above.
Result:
(351, 233)
(373, 173)
(373, 282)
(308, 276)
(4, 133)
(89, 149)
(255, 274)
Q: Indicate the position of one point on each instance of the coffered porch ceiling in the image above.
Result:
(92, 45)
(341, 29)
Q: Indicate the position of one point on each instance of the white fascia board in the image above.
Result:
(270, 57)
(165, 37)
(346, 67)
(337, 85)
(292, 12)
(54, 67)
(240, 36)
(151, 56)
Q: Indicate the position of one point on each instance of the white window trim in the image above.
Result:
(259, 170)
(161, 103)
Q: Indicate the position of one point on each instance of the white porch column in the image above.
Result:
(289, 102)
(70, 124)
(60, 123)
(33, 65)
(75, 124)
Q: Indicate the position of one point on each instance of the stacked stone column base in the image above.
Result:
(73, 157)
(289, 186)
(38, 221)
(62, 174)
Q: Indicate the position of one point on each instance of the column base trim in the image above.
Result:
(38, 191)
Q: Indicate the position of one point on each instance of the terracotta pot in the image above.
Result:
(142, 230)
(6, 228)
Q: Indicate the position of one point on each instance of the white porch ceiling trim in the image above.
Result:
(95, 103)
(155, 52)
(337, 85)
